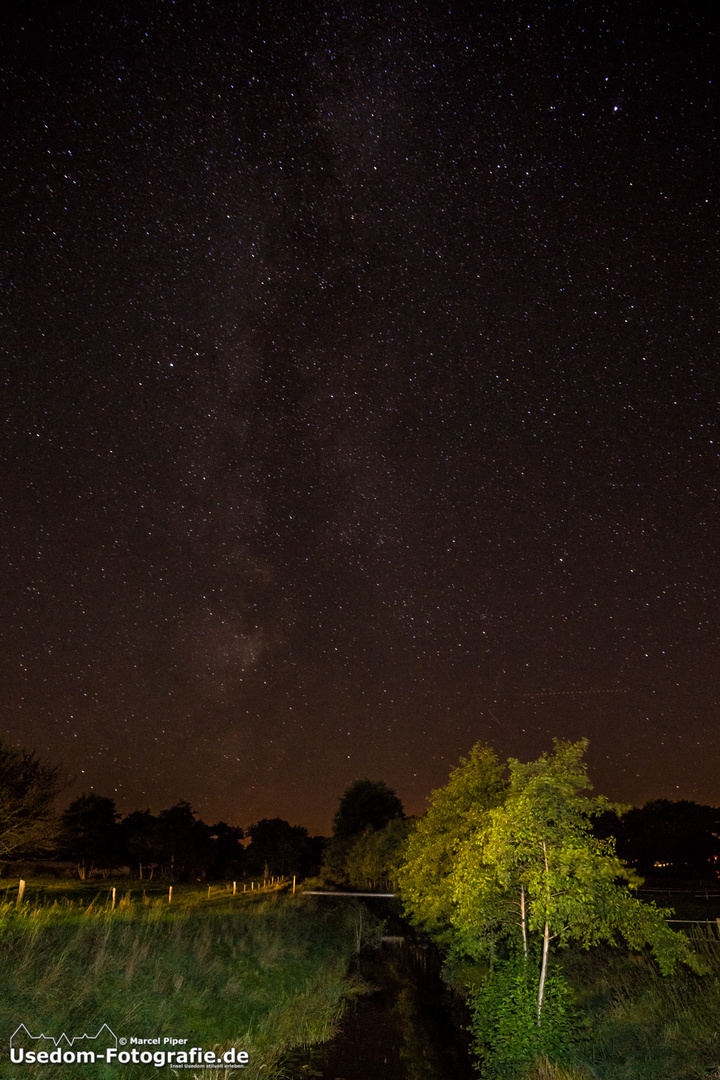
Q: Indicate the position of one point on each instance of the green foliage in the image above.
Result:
(375, 857)
(507, 1036)
(641, 1025)
(544, 1069)
(539, 846)
(457, 813)
(503, 873)
(335, 860)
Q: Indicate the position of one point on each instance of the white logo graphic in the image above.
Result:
(21, 1037)
(87, 1049)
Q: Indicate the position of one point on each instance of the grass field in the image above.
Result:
(266, 973)
(640, 1025)
(634, 1023)
(261, 974)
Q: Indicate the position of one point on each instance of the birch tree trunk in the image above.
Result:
(546, 937)
(523, 920)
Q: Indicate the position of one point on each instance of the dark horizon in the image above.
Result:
(361, 398)
(325, 829)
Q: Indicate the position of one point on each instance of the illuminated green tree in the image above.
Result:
(537, 870)
(457, 813)
(500, 871)
(374, 858)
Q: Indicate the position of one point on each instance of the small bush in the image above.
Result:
(508, 1037)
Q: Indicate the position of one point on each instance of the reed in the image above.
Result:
(640, 1025)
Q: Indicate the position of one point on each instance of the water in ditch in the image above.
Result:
(409, 1026)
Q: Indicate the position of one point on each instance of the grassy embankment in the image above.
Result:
(262, 974)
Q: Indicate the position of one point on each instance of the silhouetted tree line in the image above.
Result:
(662, 839)
(667, 839)
(176, 844)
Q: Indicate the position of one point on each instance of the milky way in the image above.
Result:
(360, 397)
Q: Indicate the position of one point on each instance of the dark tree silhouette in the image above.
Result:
(182, 842)
(89, 833)
(138, 840)
(278, 849)
(669, 839)
(28, 788)
(366, 805)
(227, 852)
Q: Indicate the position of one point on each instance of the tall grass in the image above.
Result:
(261, 975)
(640, 1025)
(544, 1069)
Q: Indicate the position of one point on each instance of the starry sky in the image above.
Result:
(360, 395)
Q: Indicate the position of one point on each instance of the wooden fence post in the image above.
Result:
(170, 895)
(21, 892)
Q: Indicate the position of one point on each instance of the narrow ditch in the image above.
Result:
(408, 1027)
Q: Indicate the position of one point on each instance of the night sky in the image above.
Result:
(360, 396)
